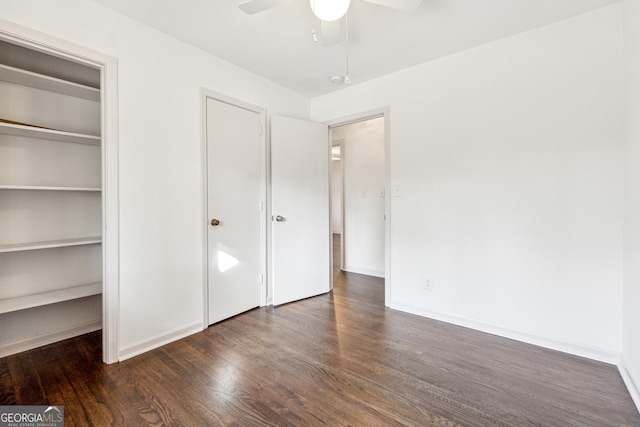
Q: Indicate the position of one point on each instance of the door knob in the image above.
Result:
(280, 218)
(215, 222)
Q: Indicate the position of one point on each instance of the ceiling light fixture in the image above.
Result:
(329, 10)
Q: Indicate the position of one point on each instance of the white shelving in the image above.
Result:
(30, 301)
(50, 206)
(51, 84)
(50, 134)
(32, 246)
(47, 188)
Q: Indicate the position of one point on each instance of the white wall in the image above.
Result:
(509, 157)
(631, 323)
(364, 176)
(161, 181)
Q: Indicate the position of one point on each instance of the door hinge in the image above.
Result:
(261, 279)
(260, 130)
(261, 206)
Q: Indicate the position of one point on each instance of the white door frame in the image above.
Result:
(209, 94)
(108, 67)
(360, 117)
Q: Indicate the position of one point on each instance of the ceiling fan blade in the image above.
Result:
(330, 32)
(255, 6)
(402, 5)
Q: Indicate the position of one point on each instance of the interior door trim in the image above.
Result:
(206, 94)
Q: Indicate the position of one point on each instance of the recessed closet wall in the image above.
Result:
(50, 199)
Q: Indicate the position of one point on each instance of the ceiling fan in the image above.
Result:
(329, 12)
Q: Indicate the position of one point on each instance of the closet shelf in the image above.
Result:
(50, 134)
(50, 244)
(51, 84)
(29, 301)
(47, 188)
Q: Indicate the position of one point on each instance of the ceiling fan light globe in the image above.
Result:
(329, 10)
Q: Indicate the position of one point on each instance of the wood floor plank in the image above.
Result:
(340, 359)
(7, 389)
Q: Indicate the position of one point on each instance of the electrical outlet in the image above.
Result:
(427, 285)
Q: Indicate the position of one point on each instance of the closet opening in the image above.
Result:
(55, 168)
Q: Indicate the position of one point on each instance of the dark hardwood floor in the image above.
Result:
(340, 359)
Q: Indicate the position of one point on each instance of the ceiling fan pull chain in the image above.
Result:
(314, 35)
(347, 79)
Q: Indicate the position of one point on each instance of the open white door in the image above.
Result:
(234, 209)
(301, 237)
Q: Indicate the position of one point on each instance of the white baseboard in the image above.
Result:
(365, 271)
(631, 383)
(143, 346)
(46, 339)
(577, 349)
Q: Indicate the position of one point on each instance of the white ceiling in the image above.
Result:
(277, 43)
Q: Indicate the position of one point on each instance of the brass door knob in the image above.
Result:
(215, 222)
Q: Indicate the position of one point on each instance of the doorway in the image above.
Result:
(360, 202)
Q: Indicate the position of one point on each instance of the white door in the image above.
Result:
(233, 205)
(301, 237)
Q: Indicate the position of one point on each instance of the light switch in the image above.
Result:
(363, 193)
(397, 190)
